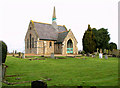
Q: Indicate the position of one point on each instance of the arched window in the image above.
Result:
(50, 45)
(30, 28)
(69, 44)
(30, 40)
(27, 43)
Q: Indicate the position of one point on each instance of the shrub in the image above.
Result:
(4, 51)
(88, 41)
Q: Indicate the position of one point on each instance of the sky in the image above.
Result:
(15, 16)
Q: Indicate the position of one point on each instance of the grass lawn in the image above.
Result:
(64, 72)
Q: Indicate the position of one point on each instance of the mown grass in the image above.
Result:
(64, 72)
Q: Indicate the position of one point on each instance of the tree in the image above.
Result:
(4, 51)
(102, 38)
(112, 46)
(88, 41)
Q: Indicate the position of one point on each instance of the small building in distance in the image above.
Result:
(44, 39)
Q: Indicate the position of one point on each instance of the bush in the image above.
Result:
(88, 41)
(4, 51)
(79, 52)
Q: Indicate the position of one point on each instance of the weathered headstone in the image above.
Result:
(100, 50)
(19, 54)
(38, 84)
(115, 52)
(105, 51)
(13, 53)
(100, 55)
(79, 87)
(106, 56)
(97, 50)
(3, 70)
(93, 87)
(52, 55)
(93, 55)
(23, 55)
(110, 52)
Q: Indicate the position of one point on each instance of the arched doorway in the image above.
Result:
(69, 47)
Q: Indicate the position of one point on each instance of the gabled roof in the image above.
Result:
(61, 36)
(47, 31)
(61, 28)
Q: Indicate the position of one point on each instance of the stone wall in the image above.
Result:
(44, 47)
(58, 48)
(48, 49)
(33, 35)
(74, 41)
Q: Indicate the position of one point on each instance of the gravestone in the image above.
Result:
(105, 51)
(93, 55)
(97, 50)
(19, 54)
(52, 55)
(110, 52)
(23, 55)
(93, 87)
(100, 50)
(115, 53)
(106, 56)
(13, 53)
(3, 71)
(79, 87)
(38, 84)
(100, 55)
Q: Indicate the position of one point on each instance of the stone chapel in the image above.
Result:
(44, 39)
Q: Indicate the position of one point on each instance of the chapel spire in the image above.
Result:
(54, 15)
(54, 23)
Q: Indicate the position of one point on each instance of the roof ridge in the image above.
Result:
(62, 31)
(60, 25)
(45, 23)
(41, 22)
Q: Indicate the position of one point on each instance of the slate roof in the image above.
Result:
(61, 36)
(48, 32)
(61, 29)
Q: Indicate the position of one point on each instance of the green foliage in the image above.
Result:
(102, 38)
(83, 52)
(4, 51)
(88, 41)
(15, 51)
(112, 46)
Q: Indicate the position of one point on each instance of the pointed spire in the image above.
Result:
(54, 24)
(54, 15)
